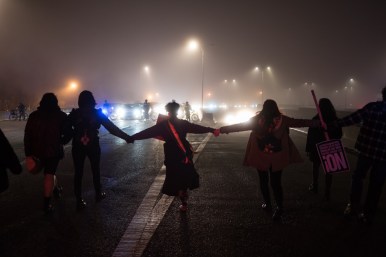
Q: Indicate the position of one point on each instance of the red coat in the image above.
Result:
(261, 160)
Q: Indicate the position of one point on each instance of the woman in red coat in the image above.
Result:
(180, 172)
(270, 149)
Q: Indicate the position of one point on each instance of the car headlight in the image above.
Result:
(120, 112)
(137, 113)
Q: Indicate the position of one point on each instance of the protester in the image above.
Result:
(45, 134)
(21, 109)
(86, 121)
(371, 144)
(181, 174)
(270, 149)
(317, 135)
(146, 109)
(187, 110)
(8, 160)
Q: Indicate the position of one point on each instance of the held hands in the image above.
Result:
(129, 139)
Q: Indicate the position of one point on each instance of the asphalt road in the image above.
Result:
(224, 217)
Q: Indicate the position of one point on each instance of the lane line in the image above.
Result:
(149, 215)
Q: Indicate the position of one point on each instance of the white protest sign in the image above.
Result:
(333, 156)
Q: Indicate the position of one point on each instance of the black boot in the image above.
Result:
(58, 192)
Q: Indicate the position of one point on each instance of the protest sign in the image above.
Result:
(331, 152)
(332, 156)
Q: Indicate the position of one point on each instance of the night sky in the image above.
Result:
(104, 46)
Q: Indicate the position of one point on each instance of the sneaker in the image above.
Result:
(349, 211)
(100, 196)
(80, 204)
(183, 207)
(265, 206)
(363, 218)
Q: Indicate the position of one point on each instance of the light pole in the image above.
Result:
(193, 45)
(257, 69)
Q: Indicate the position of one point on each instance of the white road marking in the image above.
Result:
(149, 215)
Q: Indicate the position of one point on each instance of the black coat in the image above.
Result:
(316, 135)
(8, 160)
(45, 133)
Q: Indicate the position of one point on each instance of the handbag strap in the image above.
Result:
(179, 142)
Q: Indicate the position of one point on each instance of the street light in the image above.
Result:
(350, 81)
(193, 45)
(257, 69)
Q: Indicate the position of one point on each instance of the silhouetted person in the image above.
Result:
(21, 109)
(8, 160)
(146, 109)
(316, 135)
(180, 172)
(86, 121)
(270, 149)
(45, 134)
(187, 109)
(371, 144)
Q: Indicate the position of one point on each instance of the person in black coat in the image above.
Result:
(44, 136)
(180, 172)
(86, 121)
(316, 135)
(8, 160)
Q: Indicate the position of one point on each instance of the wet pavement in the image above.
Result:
(224, 217)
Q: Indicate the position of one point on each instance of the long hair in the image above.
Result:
(269, 112)
(49, 102)
(327, 109)
(86, 100)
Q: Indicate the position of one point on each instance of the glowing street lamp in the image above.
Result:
(146, 69)
(193, 45)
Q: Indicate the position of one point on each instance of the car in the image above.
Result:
(127, 112)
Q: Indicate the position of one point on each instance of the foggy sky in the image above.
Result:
(105, 45)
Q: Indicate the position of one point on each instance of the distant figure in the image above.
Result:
(371, 144)
(146, 109)
(21, 108)
(187, 109)
(181, 174)
(86, 121)
(316, 135)
(270, 149)
(107, 108)
(44, 137)
(8, 160)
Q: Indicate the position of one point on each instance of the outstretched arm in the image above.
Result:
(113, 129)
(244, 126)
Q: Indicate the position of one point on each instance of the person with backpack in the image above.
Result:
(270, 149)
(181, 174)
(85, 122)
(45, 134)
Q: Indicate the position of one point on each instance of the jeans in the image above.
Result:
(79, 154)
(275, 179)
(377, 179)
